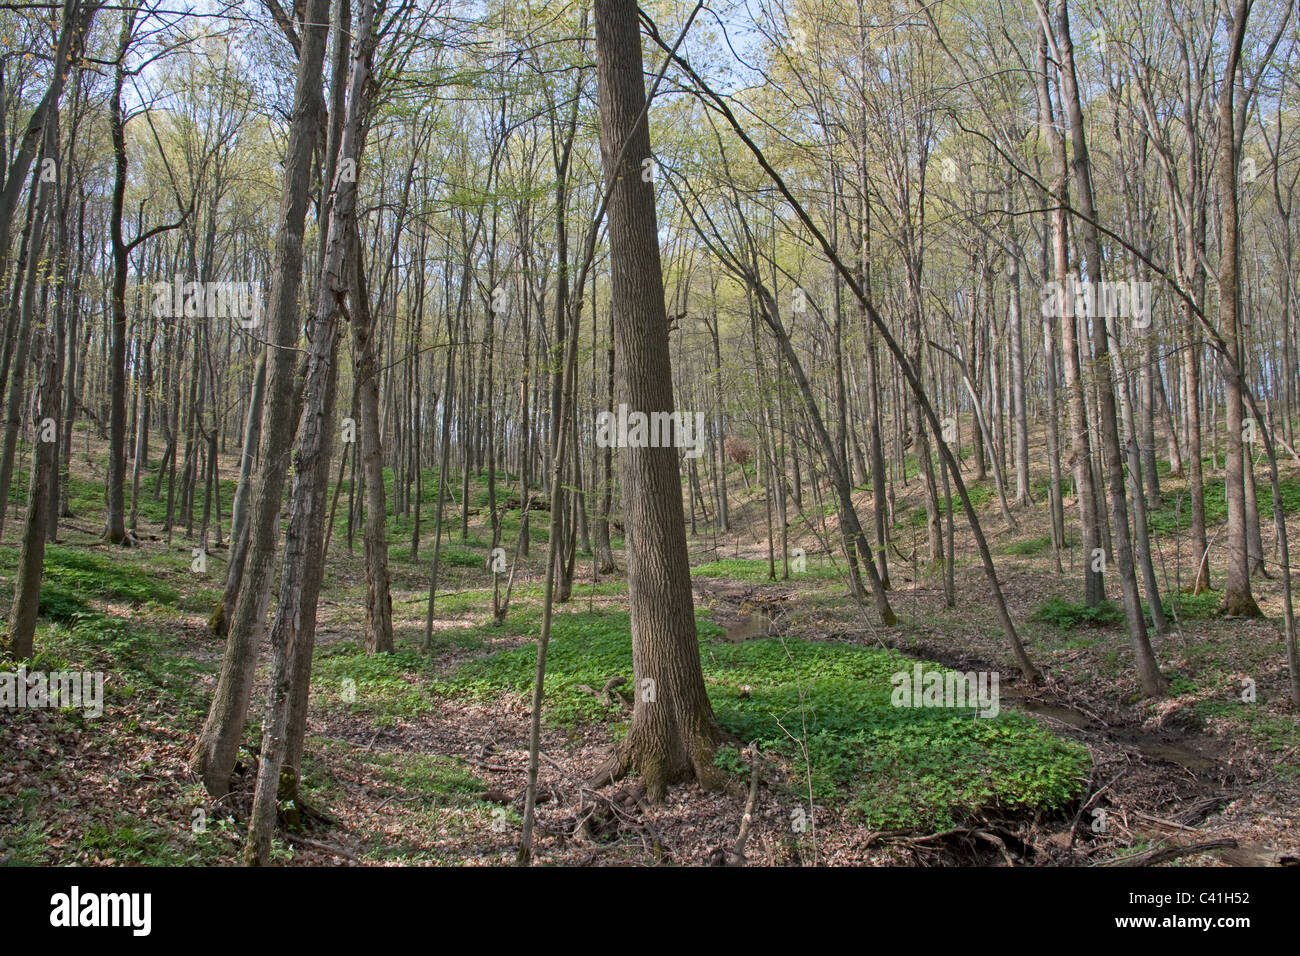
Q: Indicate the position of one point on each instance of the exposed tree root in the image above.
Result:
(1239, 605)
(639, 753)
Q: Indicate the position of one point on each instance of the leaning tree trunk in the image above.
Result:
(45, 415)
(214, 753)
(1153, 683)
(293, 632)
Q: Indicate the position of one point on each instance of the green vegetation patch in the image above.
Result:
(1029, 547)
(72, 575)
(827, 709)
(979, 492)
(140, 662)
(1069, 615)
(1176, 513)
(816, 568)
(431, 796)
(385, 686)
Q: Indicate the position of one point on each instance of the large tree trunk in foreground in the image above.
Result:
(294, 631)
(673, 732)
(214, 752)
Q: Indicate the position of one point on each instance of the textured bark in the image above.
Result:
(605, 503)
(379, 600)
(294, 630)
(1153, 683)
(115, 521)
(243, 495)
(214, 753)
(673, 733)
(27, 583)
(1081, 446)
(1237, 597)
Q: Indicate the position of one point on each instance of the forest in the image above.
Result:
(711, 433)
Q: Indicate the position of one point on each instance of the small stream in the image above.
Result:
(1147, 744)
(750, 627)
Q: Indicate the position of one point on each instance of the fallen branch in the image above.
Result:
(325, 848)
(736, 855)
(1152, 857)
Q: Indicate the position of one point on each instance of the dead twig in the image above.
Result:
(736, 855)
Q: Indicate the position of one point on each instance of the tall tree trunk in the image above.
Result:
(1081, 446)
(379, 601)
(214, 752)
(604, 551)
(1148, 671)
(673, 732)
(294, 630)
(115, 523)
(1019, 410)
(45, 417)
(1237, 597)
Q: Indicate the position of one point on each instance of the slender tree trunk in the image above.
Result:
(293, 633)
(1148, 670)
(45, 417)
(1081, 446)
(243, 493)
(1237, 597)
(379, 601)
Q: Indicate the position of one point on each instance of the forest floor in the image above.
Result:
(422, 758)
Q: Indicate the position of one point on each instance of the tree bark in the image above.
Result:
(379, 601)
(214, 753)
(1237, 597)
(673, 733)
